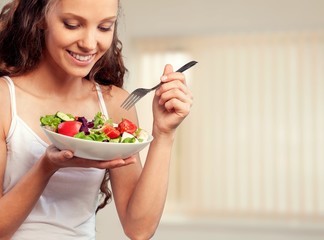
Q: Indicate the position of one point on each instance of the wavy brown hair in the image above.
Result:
(22, 45)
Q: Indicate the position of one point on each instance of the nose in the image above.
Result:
(88, 40)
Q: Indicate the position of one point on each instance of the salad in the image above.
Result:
(98, 129)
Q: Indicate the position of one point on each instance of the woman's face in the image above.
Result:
(78, 33)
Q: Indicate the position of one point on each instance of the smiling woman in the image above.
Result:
(65, 55)
(75, 41)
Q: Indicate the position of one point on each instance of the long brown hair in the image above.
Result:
(22, 44)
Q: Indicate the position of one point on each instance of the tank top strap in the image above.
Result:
(11, 86)
(12, 96)
(102, 103)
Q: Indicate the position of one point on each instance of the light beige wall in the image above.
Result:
(143, 18)
(181, 17)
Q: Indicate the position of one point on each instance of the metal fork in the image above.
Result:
(138, 93)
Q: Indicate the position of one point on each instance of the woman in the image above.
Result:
(65, 55)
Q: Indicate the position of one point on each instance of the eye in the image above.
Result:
(70, 25)
(105, 28)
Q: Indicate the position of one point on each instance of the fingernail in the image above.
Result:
(67, 155)
(163, 78)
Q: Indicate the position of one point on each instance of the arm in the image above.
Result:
(140, 204)
(16, 204)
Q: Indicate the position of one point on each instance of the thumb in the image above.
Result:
(54, 152)
(67, 154)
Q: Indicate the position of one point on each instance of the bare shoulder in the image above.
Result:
(5, 110)
(118, 94)
(3, 85)
(5, 117)
(114, 98)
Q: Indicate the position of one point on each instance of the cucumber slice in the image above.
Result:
(64, 116)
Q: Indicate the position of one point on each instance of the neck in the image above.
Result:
(44, 82)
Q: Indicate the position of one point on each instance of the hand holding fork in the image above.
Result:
(138, 93)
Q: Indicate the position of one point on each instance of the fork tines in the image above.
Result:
(137, 94)
(132, 99)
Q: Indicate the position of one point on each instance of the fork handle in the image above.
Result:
(186, 66)
(182, 69)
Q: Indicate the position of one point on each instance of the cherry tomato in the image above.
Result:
(110, 131)
(69, 128)
(127, 126)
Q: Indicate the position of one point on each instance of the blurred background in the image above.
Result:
(248, 162)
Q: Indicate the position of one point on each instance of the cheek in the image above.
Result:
(53, 41)
(105, 41)
(105, 44)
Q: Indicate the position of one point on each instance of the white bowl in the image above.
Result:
(95, 150)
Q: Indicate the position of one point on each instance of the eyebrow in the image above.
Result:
(108, 19)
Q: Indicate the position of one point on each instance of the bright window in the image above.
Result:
(253, 143)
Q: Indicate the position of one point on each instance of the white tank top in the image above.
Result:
(66, 208)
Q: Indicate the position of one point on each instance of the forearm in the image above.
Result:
(16, 205)
(147, 202)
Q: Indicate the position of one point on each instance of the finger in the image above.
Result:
(182, 109)
(174, 90)
(176, 99)
(173, 76)
(173, 93)
(87, 163)
(114, 164)
(54, 152)
(167, 69)
(176, 84)
(104, 164)
(110, 164)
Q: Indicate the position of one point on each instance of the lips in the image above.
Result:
(81, 58)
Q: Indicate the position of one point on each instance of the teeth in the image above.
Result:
(80, 57)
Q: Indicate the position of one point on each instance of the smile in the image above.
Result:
(82, 58)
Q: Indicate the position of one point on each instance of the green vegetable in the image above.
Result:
(129, 140)
(95, 136)
(65, 117)
(93, 130)
(115, 140)
(51, 121)
(99, 120)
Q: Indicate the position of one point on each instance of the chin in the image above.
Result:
(81, 73)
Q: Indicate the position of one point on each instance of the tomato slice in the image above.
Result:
(127, 126)
(69, 128)
(110, 131)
